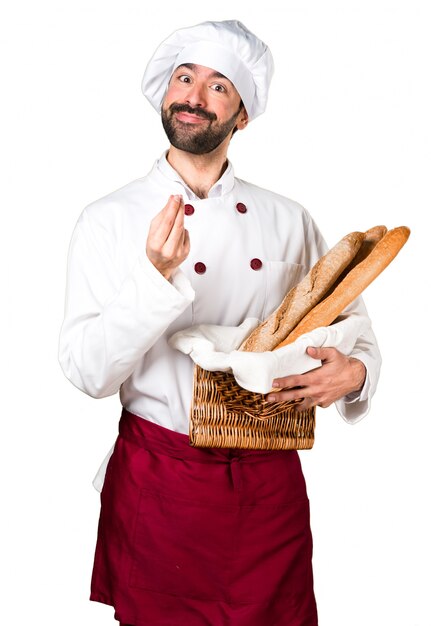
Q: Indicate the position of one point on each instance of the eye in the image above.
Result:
(184, 78)
(219, 87)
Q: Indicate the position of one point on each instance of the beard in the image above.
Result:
(189, 137)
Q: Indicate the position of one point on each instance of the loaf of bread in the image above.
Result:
(369, 242)
(305, 295)
(352, 285)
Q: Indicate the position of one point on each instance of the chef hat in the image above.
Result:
(227, 47)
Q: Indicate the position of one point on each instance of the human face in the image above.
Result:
(200, 110)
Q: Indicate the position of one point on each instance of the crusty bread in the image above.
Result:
(352, 285)
(372, 236)
(371, 239)
(304, 296)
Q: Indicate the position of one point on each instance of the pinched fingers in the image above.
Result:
(168, 242)
(175, 238)
(163, 223)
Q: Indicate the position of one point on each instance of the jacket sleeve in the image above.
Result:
(112, 317)
(356, 405)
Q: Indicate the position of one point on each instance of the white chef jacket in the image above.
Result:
(248, 247)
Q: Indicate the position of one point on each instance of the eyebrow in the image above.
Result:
(193, 66)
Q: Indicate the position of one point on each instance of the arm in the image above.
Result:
(112, 320)
(348, 380)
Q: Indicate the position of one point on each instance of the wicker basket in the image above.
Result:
(224, 415)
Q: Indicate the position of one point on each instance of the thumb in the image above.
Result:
(322, 354)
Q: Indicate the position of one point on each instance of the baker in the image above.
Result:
(189, 536)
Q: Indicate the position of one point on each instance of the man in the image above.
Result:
(191, 536)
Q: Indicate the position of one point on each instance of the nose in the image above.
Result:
(196, 95)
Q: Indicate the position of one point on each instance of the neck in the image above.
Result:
(199, 171)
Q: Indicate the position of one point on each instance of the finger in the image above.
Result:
(168, 208)
(317, 397)
(176, 235)
(311, 401)
(172, 206)
(298, 393)
(298, 380)
(287, 382)
(306, 403)
(163, 223)
(175, 218)
(323, 354)
(183, 248)
(186, 243)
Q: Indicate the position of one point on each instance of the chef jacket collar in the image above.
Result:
(224, 184)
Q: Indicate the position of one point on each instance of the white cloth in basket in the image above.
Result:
(214, 348)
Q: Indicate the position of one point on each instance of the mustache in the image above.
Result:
(186, 108)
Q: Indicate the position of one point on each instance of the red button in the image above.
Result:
(241, 208)
(189, 209)
(255, 264)
(200, 268)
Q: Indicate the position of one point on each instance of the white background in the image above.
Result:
(347, 134)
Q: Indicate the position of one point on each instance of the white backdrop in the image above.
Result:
(347, 134)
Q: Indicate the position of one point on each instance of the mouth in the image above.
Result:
(190, 118)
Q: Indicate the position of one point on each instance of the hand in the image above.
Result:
(168, 242)
(338, 376)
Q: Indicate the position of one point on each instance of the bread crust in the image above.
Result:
(372, 236)
(352, 285)
(304, 296)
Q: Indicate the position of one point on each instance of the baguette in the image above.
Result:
(372, 236)
(304, 296)
(353, 284)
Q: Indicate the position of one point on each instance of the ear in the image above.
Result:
(242, 120)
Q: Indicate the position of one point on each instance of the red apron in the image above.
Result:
(202, 537)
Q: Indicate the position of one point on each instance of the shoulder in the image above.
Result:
(133, 203)
(120, 199)
(272, 201)
(288, 215)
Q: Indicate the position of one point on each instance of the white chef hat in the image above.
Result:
(227, 47)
